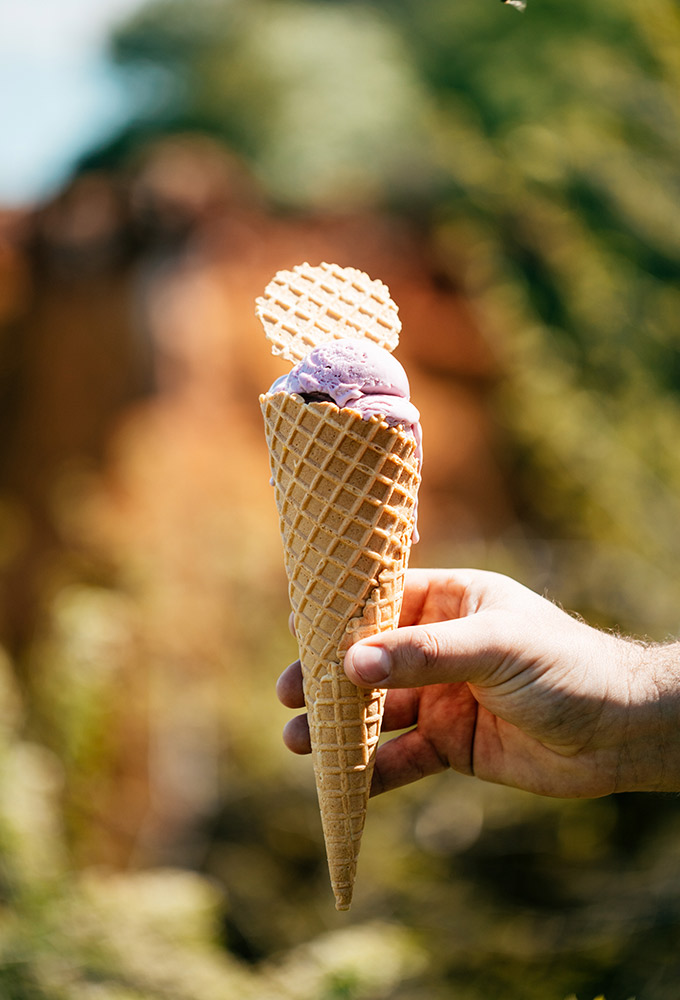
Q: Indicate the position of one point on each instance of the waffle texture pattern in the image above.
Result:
(310, 305)
(346, 492)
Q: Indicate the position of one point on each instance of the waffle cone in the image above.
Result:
(346, 492)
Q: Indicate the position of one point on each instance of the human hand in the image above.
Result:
(497, 682)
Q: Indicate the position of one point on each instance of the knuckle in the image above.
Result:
(424, 650)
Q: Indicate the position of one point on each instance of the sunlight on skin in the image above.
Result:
(500, 683)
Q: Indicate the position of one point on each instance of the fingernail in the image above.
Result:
(371, 663)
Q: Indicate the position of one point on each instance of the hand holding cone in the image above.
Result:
(346, 491)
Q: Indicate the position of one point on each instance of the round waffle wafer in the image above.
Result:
(311, 305)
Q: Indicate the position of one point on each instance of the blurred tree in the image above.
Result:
(318, 97)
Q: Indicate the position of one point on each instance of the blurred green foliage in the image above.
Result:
(155, 934)
(539, 155)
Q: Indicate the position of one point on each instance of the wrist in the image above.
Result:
(650, 758)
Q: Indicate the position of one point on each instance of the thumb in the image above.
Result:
(445, 652)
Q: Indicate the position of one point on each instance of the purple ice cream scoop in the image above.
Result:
(360, 375)
(348, 369)
(357, 374)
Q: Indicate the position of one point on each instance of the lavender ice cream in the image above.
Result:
(357, 374)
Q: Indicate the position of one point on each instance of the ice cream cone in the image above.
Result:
(346, 491)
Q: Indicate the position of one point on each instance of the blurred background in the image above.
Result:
(515, 180)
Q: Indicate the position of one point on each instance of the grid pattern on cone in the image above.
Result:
(346, 491)
(310, 305)
(345, 494)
